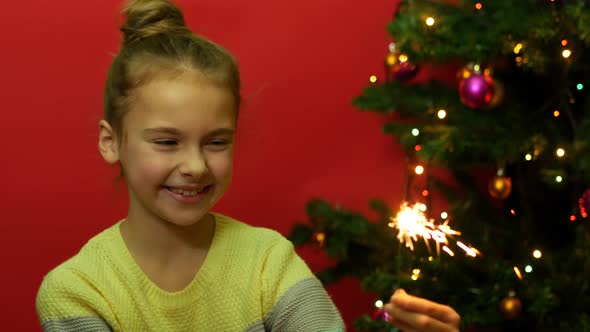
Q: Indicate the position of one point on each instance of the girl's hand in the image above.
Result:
(415, 314)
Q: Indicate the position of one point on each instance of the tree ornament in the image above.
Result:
(584, 203)
(476, 88)
(500, 186)
(398, 66)
(381, 314)
(498, 97)
(510, 306)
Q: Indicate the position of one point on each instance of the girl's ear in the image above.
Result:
(107, 143)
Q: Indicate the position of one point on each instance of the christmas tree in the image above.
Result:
(509, 248)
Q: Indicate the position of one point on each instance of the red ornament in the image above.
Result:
(476, 89)
(398, 66)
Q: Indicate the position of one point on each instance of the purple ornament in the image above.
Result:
(381, 314)
(477, 90)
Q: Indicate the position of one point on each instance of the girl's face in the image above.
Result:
(177, 150)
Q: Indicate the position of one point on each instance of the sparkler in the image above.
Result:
(412, 223)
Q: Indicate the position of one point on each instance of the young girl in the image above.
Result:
(171, 104)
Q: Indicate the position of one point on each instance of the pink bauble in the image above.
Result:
(381, 314)
(477, 90)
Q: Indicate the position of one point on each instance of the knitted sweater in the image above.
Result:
(251, 280)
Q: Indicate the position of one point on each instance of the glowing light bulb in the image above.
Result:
(537, 253)
(422, 207)
(528, 269)
(563, 42)
(442, 114)
(416, 271)
(528, 157)
(566, 53)
(478, 6)
(556, 113)
(372, 78)
(425, 193)
(414, 277)
(444, 215)
(402, 58)
(558, 179)
(560, 152)
(430, 21)
(580, 86)
(419, 169)
(517, 48)
(415, 132)
(379, 304)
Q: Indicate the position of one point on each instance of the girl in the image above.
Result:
(171, 104)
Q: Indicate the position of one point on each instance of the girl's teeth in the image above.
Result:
(184, 192)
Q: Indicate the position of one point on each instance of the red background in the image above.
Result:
(299, 137)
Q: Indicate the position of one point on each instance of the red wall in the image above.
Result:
(299, 137)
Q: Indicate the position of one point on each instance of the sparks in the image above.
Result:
(411, 223)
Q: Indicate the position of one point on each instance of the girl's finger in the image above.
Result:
(418, 321)
(438, 311)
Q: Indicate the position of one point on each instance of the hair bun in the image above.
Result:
(146, 18)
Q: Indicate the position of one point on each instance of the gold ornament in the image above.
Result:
(511, 307)
(500, 187)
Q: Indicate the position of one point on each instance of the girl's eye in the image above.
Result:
(165, 142)
(218, 142)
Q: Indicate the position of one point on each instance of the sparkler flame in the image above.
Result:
(412, 223)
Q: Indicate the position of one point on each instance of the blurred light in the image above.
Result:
(416, 271)
(560, 152)
(558, 178)
(476, 67)
(442, 114)
(517, 48)
(528, 157)
(478, 6)
(373, 78)
(566, 53)
(430, 21)
(391, 47)
(402, 58)
(528, 269)
(430, 258)
(425, 193)
(414, 277)
(444, 215)
(518, 273)
(419, 169)
(584, 214)
(417, 147)
(423, 207)
(512, 212)
(573, 218)
(379, 304)
(580, 86)
(556, 113)
(415, 132)
(448, 251)
(537, 253)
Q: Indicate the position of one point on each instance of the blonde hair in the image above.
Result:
(157, 41)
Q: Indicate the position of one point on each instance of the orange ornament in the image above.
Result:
(500, 187)
(510, 307)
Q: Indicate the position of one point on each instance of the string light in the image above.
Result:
(558, 179)
(430, 21)
(518, 48)
(572, 218)
(419, 169)
(528, 269)
(537, 253)
(444, 215)
(379, 304)
(425, 193)
(556, 113)
(423, 207)
(564, 42)
(512, 212)
(415, 132)
(580, 86)
(528, 157)
(373, 78)
(560, 152)
(442, 114)
(518, 273)
(566, 53)
(478, 6)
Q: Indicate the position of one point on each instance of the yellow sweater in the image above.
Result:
(251, 280)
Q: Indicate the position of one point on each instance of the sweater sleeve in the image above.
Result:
(67, 302)
(293, 298)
